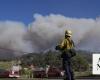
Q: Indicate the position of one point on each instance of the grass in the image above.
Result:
(5, 65)
(7, 79)
(85, 73)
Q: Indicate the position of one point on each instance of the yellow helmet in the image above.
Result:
(68, 33)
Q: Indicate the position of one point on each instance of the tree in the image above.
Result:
(79, 63)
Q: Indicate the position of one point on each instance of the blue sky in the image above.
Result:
(23, 10)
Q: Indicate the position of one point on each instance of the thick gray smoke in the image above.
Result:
(12, 37)
(46, 31)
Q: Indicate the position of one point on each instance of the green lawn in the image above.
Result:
(5, 65)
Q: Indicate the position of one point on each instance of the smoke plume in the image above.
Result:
(46, 31)
(12, 37)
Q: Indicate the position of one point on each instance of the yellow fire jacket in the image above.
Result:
(67, 44)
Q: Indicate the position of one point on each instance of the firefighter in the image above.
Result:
(68, 51)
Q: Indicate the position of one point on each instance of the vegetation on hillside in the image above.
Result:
(79, 62)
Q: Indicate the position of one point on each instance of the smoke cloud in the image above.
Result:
(46, 31)
(12, 37)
